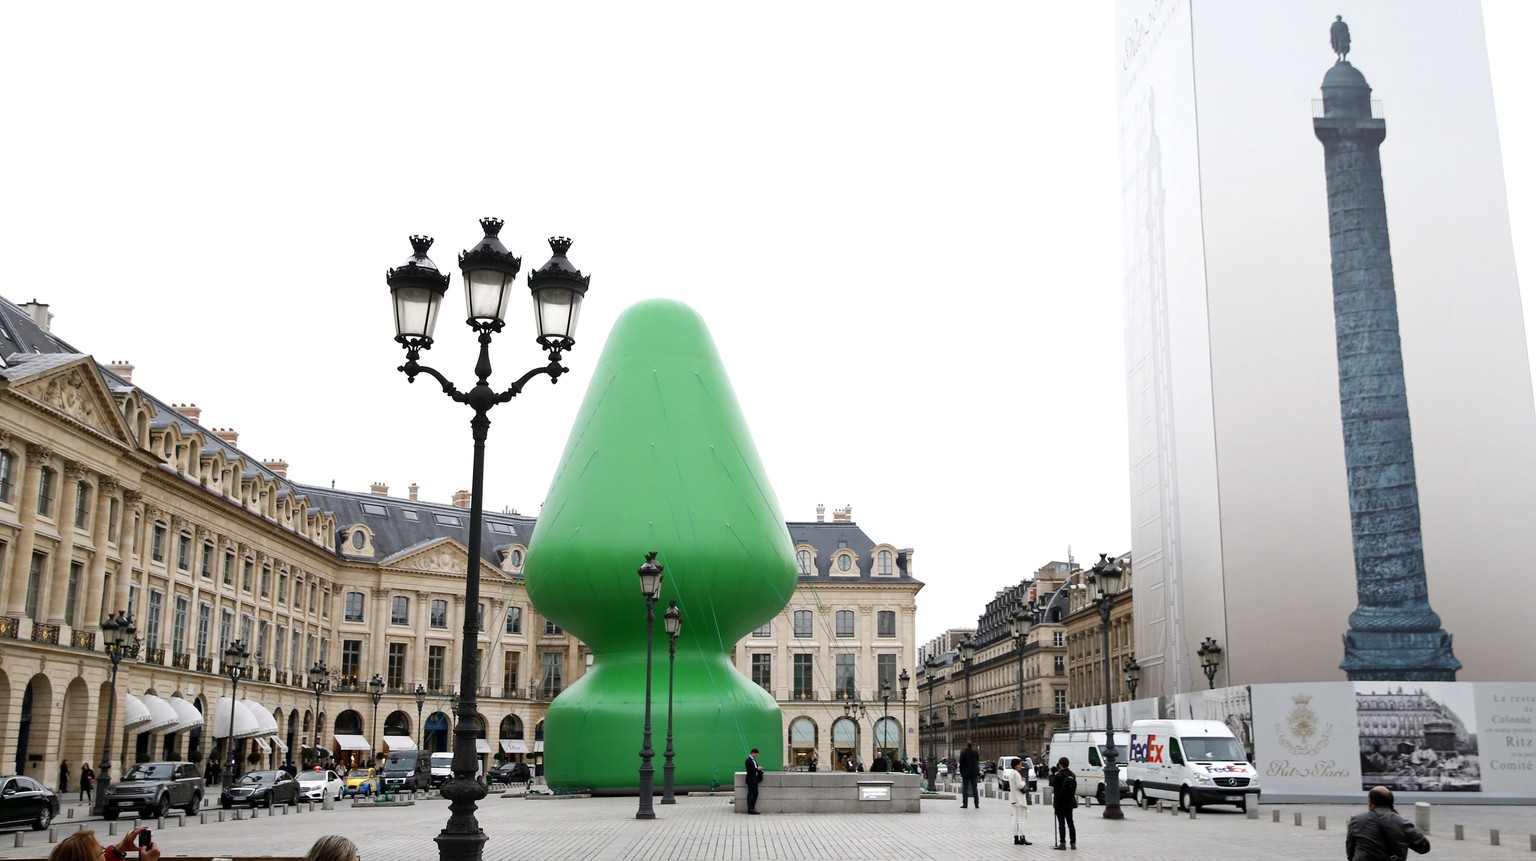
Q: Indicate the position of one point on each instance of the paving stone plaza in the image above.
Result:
(701, 828)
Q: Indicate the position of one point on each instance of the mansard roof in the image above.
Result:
(828, 538)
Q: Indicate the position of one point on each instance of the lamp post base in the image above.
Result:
(460, 847)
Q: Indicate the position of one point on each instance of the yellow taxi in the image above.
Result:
(361, 781)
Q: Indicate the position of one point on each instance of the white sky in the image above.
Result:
(900, 221)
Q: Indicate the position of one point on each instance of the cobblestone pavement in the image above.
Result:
(706, 829)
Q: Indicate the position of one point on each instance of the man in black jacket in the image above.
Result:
(970, 776)
(1063, 801)
(754, 777)
(1379, 834)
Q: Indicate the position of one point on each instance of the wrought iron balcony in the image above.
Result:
(205, 665)
(44, 633)
(10, 626)
(155, 655)
(181, 660)
(83, 640)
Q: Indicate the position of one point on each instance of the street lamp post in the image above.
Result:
(931, 666)
(421, 729)
(949, 729)
(967, 651)
(236, 658)
(375, 693)
(650, 586)
(1132, 675)
(672, 620)
(417, 289)
(884, 736)
(906, 682)
(1106, 574)
(1210, 660)
(117, 634)
(1020, 625)
(319, 681)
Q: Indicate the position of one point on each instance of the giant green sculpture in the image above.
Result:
(659, 459)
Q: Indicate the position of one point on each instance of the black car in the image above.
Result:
(509, 773)
(24, 801)
(261, 788)
(153, 788)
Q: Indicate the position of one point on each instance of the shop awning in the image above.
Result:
(513, 745)
(281, 745)
(134, 713)
(161, 715)
(244, 721)
(190, 716)
(398, 742)
(352, 742)
(482, 746)
(265, 722)
(261, 742)
(254, 711)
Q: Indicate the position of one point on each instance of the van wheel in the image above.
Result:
(1185, 801)
(1139, 796)
(1100, 794)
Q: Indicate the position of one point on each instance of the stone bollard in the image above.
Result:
(1533, 842)
(1322, 823)
(1298, 820)
(83, 828)
(204, 818)
(1253, 811)
(1276, 815)
(70, 813)
(1460, 834)
(328, 804)
(160, 823)
(53, 834)
(20, 842)
(1421, 816)
(112, 828)
(221, 815)
(285, 810)
(1192, 811)
(1493, 837)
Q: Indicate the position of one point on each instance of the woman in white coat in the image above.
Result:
(1018, 792)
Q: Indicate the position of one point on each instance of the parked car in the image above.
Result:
(361, 781)
(510, 773)
(153, 788)
(404, 771)
(261, 789)
(24, 801)
(321, 782)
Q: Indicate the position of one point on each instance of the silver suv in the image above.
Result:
(151, 789)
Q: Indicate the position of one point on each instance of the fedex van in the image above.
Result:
(1195, 762)
(1085, 751)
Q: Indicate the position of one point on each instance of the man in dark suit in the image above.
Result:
(754, 777)
(970, 775)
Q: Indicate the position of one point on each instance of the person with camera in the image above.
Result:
(83, 846)
(1063, 802)
(1379, 834)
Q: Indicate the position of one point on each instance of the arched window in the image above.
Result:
(884, 560)
(803, 559)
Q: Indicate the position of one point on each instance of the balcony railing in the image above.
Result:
(44, 633)
(280, 677)
(83, 640)
(205, 665)
(806, 696)
(10, 627)
(181, 660)
(263, 674)
(155, 655)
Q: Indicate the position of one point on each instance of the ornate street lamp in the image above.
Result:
(117, 633)
(885, 726)
(967, 651)
(1210, 660)
(1132, 675)
(1106, 575)
(375, 693)
(1019, 623)
(421, 729)
(417, 289)
(236, 658)
(931, 666)
(949, 728)
(650, 588)
(319, 682)
(672, 620)
(906, 682)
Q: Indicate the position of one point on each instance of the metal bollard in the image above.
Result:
(1322, 823)
(221, 815)
(203, 817)
(53, 834)
(70, 813)
(1460, 834)
(1421, 815)
(1276, 815)
(1253, 811)
(1493, 837)
(160, 823)
(285, 810)
(1533, 842)
(19, 840)
(1191, 811)
(112, 828)
(328, 804)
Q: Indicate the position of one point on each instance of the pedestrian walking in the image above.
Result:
(64, 777)
(1019, 795)
(754, 778)
(87, 781)
(1063, 802)
(1379, 834)
(970, 776)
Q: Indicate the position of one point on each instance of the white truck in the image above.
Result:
(1085, 751)
(1195, 762)
(442, 768)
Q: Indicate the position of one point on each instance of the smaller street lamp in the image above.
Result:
(421, 729)
(236, 658)
(885, 726)
(1106, 574)
(906, 682)
(117, 633)
(651, 573)
(1210, 660)
(1019, 623)
(930, 667)
(672, 620)
(375, 693)
(967, 651)
(949, 727)
(1132, 675)
(319, 682)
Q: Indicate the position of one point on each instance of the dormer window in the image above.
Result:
(803, 562)
(845, 563)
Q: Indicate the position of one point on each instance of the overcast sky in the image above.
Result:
(900, 221)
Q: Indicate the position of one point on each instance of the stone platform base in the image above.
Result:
(832, 792)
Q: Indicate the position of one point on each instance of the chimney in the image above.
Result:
(461, 499)
(413, 488)
(278, 466)
(190, 412)
(821, 513)
(122, 369)
(39, 314)
(229, 435)
(380, 488)
(844, 514)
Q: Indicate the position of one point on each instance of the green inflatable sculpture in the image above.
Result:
(659, 460)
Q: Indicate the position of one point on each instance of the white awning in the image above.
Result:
(482, 746)
(254, 711)
(398, 742)
(264, 721)
(134, 713)
(244, 721)
(281, 745)
(261, 742)
(190, 716)
(513, 745)
(352, 742)
(161, 715)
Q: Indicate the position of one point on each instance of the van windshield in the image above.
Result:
(1216, 749)
(1122, 754)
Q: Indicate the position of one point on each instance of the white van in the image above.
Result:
(442, 768)
(1084, 750)
(1196, 762)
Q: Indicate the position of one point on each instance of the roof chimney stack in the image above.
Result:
(229, 435)
(844, 514)
(414, 488)
(190, 412)
(821, 513)
(461, 499)
(380, 488)
(278, 466)
(38, 311)
(122, 369)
